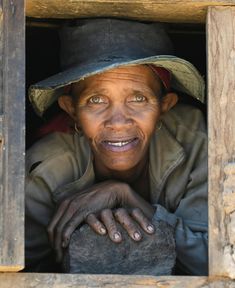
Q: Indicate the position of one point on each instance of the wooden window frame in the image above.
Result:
(221, 132)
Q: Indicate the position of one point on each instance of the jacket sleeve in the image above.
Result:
(39, 209)
(49, 165)
(190, 219)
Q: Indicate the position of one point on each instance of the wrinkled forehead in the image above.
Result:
(129, 76)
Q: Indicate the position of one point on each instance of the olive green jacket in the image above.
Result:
(60, 164)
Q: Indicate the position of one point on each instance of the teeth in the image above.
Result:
(119, 144)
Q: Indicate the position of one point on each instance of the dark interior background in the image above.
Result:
(42, 58)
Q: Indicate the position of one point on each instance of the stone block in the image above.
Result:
(91, 253)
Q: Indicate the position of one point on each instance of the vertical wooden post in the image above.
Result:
(221, 117)
(12, 134)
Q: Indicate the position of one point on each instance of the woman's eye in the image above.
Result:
(96, 100)
(139, 98)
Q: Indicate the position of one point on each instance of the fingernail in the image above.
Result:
(137, 236)
(117, 236)
(150, 228)
(102, 231)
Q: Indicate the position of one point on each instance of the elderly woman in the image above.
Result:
(136, 155)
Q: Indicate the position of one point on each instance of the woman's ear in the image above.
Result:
(67, 104)
(168, 101)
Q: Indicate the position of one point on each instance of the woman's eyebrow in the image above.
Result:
(89, 91)
(95, 91)
(145, 90)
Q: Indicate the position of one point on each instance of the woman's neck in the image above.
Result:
(136, 177)
(128, 176)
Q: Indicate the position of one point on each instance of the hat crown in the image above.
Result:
(111, 40)
(93, 46)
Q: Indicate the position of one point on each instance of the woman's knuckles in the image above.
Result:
(95, 224)
(72, 209)
(140, 218)
(120, 213)
(123, 218)
(136, 212)
(143, 221)
(106, 214)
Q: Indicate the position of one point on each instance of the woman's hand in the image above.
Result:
(106, 222)
(74, 210)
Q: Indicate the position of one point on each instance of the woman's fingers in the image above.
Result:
(129, 225)
(142, 220)
(64, 232)
(95, 224)
(130, 222)
(70, 226)
(108, 220)
(55, 220)
(65, 221)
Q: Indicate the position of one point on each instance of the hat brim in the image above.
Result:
(185, 78)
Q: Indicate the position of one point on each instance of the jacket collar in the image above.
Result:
(85, 166)
(166, 153)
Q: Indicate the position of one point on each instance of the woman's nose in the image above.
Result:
(118, 118)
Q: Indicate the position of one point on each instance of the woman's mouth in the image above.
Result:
(120, 145)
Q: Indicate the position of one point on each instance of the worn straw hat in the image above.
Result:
(92, 46)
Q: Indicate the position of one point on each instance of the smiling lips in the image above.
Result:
(121, 145)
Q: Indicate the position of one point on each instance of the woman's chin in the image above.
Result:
(121, 164)
(121, 159)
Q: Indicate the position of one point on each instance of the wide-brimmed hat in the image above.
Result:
(92, 46)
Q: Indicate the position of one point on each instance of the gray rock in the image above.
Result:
(91, 253)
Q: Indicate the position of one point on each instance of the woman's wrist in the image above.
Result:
(134, 200)
(124, 195)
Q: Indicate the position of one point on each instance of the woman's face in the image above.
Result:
(118, 112)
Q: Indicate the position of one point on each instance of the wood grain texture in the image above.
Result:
(107, 281)
(36, 280)
(1, 58)
(159, 10)
(221, 117)
(13, 138)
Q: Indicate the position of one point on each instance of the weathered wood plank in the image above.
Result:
(13, 138)
(24, 280)
(108, 281)
(159, 10)
(1, 57)
(221, 117)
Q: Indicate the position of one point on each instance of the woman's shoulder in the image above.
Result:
(187, 125)
(50, 147)
(185, 116)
